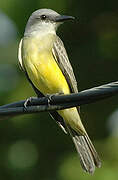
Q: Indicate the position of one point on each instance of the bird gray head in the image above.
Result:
(44, 20)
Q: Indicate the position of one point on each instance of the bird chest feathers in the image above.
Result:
(41, 66)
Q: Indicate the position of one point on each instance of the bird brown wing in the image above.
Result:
(63, 62)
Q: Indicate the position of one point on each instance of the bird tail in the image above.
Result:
(87, 153)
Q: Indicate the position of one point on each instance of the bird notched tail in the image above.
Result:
(87, 153)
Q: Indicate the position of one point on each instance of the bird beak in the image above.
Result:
(63, 18)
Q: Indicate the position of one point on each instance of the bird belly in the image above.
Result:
(44, 73)
(48, 78)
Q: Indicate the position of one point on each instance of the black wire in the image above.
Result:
(57, 102)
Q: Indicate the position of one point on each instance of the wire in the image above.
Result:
(57, 102)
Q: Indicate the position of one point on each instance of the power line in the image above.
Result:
(57, 102)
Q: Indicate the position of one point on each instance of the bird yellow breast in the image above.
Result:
(42, 68)
(46, 75)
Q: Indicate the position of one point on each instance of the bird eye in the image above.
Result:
(43, 17)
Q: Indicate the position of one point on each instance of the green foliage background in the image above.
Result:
(33, 146)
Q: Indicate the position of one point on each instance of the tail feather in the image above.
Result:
(87, 153)
(96, 158)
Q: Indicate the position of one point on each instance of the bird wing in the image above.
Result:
(87, 153)
(63, 62)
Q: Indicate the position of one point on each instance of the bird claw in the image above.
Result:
(28, 101)
(49, 97)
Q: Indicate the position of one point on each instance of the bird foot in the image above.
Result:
(49, 97)
(28, 101)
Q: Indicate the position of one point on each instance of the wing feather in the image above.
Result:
(63, 62)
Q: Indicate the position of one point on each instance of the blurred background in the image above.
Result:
(33, 146)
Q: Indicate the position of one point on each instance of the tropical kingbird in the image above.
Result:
(44, 60)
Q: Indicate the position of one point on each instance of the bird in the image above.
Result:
(44, 60)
